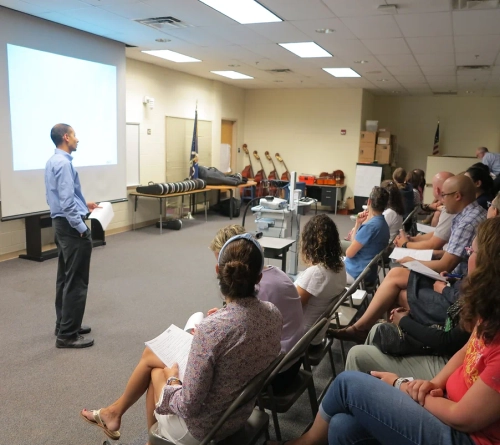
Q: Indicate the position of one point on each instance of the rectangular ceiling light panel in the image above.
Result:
(306, 49)
(232, 74)
(243, 11)
(341, 72)
(171, 55)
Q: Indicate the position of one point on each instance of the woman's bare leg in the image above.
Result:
(136, 386)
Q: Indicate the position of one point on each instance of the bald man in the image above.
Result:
(492, 160)
(416, 292)
(437, 239)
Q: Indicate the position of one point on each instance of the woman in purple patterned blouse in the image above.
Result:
(229, 348)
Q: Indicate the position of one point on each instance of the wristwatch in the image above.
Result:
(399, 381)
(174, 381)
(404, 244)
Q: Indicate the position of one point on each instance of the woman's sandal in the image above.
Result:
(115, 435)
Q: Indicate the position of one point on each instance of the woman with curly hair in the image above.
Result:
(395, 210)
(459, 406)
(325, 277)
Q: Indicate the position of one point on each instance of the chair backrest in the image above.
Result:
(334, 303)
(250, 392)
(298, 350)
(410, 215)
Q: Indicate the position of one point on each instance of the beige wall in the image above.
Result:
(304, 126)
(175, 94)
(465, 123)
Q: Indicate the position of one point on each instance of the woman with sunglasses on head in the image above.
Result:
(484, 184)
(229, 348)
(459, 406)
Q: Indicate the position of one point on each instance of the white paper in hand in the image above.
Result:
(193, 321)
(424, 270)
(420, 255)
(172, 346)
(104, 214)
(424, 228)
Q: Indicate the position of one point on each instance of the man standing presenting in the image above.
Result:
(73, 239)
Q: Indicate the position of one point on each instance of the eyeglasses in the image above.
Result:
(447, 194)
(488, 204)
(469, 251)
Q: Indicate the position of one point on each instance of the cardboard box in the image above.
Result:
(384, 138)
(366, 154)
(383, 154)
(368, 137)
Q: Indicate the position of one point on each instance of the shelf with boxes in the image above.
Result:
(376, 147)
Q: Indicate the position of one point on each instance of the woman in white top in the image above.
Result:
(395, 210)
(325, 277)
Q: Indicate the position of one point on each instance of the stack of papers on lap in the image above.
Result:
(424, 270)
(424, 228)
(421, 255)
(172, 346)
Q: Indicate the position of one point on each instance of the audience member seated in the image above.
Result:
(402, 288)
(437, 239)
(442, 342)
(277, 288)
(459, 406)
(229, 348)
(492, 160)
(399, 177)
(494, 208)
(371, 236)
(422, 182)
(483, 183)
(325, 278)
(395, 210)
(414, 179)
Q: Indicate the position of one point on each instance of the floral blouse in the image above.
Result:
(229, 348)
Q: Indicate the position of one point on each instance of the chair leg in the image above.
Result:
(342, 350)
(312, 398)
(276, 425)
(330, 354)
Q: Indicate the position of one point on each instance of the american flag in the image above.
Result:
(435, 148)
(193, 163)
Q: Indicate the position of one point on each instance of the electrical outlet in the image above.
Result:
(149, 131)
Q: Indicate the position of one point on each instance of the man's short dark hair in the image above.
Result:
(57, 133)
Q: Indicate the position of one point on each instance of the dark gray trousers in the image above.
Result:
(72, 282)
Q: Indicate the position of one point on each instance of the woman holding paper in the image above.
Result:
(228, 349)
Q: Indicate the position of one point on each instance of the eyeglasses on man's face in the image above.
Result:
(469, 251)
(448, 194)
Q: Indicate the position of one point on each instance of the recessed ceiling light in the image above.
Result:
(341, 72)
(162, 40)
(306, 49)
(361, 61)
(243, 11)
(232, 74)
(171, 55)
(325, 30)
(382, 80)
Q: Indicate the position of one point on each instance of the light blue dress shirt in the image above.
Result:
(492, 160)
(63, 190)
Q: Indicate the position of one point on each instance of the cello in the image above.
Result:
(285, 176)
(273, 176)
(248, 170)
(260, 178)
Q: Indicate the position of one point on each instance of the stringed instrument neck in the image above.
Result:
(286, 174)
(274, 174)
(248, 170)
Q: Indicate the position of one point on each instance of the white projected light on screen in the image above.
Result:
(46, 89)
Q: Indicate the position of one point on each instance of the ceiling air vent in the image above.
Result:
(475, 4)
(164, 23)
(444, 93)
(280, 71)
(473, 68)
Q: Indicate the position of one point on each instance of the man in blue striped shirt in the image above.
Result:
(68, 211)
(492, 160)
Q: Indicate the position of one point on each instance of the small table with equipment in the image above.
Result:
(276, 248)
(230, 189)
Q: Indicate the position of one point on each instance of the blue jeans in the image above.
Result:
(363, 410)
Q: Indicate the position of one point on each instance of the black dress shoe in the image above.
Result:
(82, 331)
(74, 342)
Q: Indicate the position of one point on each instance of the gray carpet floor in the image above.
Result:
(140, 283)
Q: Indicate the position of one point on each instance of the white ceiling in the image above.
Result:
(416, 50)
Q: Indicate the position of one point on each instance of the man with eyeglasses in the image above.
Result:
(437, 239)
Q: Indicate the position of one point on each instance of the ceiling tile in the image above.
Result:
(404, 70)
(374, 27)
(430, 45)
(415, 6)
(435, 59)
(237, 34)
(475, 59)
(439, 70)
(282, 32)
(425, 25)
(298, 9)
(411, 79)
(397, 60)
(387, 46)
(441, 80)
(309, 27)
(350, 49)
(477, 44)
(199, 36)
(59, 5)
(131, 11)
(348, 8)
(476, 22)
